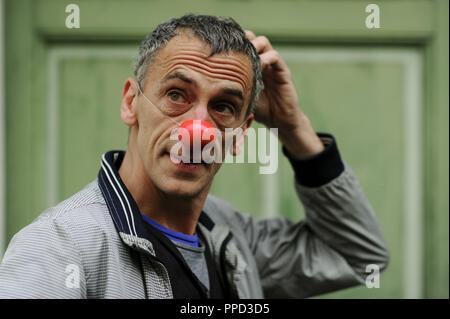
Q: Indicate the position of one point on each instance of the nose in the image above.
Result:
(199, 132)
(200, 112)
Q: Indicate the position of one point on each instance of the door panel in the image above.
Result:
(358, 96)
(89, 83)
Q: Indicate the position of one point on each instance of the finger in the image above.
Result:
(274, 59)
(250, 35)
(262, 44)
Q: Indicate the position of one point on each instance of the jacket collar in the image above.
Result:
(121, 205)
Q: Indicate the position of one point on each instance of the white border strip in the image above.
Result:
(2, 133)
(413, 130)
(52, 130)
(413, 192)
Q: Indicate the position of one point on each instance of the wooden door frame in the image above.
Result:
(34, 26)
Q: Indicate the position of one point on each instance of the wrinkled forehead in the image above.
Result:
(189, 51)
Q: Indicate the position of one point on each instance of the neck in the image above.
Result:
(174, 212)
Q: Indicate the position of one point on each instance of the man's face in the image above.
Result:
(186, 84)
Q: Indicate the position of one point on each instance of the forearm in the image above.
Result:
(336, 207)
(299, 138)
(319, 168)
(341, 216)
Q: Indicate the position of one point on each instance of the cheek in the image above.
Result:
(146, 136)
(153, 137)
(143, 140)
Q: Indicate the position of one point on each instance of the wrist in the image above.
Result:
(300, 139)
(319, 169)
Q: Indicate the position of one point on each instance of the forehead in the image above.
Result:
(186, 51)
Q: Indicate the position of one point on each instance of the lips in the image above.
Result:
(186, 166)
(185, 160)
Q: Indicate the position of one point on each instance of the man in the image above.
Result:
(147, 228)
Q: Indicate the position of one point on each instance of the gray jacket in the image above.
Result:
(74, 250)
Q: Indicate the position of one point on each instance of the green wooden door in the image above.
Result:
(63, 110)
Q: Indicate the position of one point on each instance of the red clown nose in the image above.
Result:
(200, 130)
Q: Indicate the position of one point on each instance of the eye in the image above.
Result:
(176, 96)
(224, 109)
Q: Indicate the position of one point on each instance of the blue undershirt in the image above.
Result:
(191, 240)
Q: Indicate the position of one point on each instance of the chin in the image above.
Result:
(180, 181)
(174, 187)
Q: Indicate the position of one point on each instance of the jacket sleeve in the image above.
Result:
(328, 250)
(42, 261)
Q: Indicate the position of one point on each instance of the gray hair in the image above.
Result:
(220, 33)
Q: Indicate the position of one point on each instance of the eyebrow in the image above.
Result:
(234, 92)
(181, 76)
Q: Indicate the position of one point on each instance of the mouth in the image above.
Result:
(185, 164)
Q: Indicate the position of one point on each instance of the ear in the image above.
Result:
(128, 108)
(239, 143)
